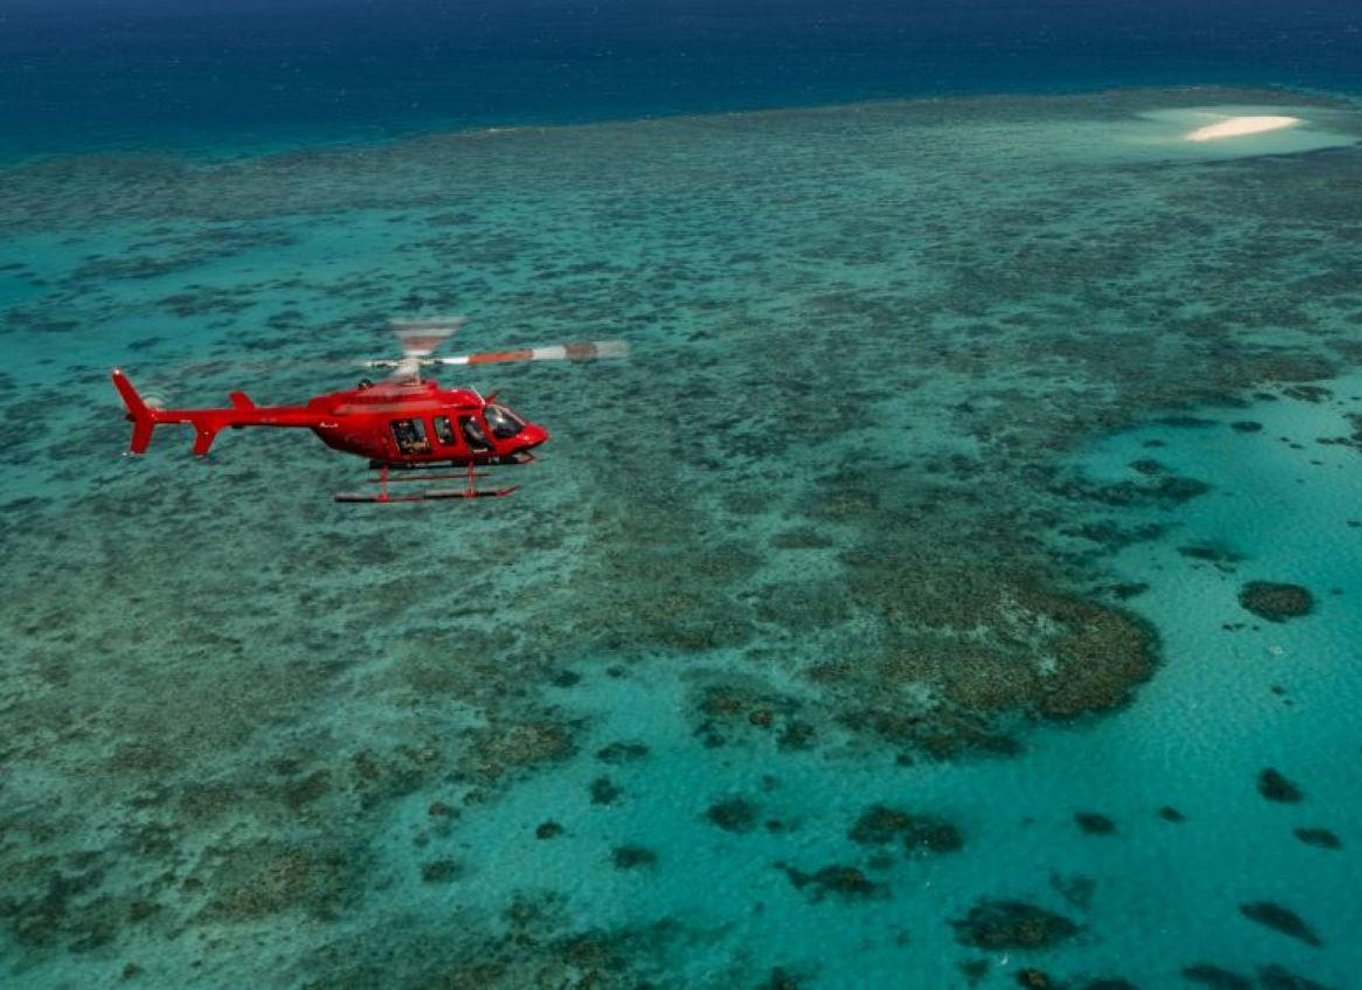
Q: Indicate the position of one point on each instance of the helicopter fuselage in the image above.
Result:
(392, 423)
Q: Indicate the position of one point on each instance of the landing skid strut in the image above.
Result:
(469, 489)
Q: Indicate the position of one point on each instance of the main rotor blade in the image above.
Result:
(586, 351)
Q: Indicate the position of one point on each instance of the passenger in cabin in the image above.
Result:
(477, 439)
(410, 435)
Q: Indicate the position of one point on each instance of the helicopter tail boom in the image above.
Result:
(206, 422)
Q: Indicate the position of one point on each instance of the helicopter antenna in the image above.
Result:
(420, 339)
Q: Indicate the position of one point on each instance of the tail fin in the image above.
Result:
(142, 416)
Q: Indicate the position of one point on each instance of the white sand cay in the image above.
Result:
(1241, 126)
(1236, 131)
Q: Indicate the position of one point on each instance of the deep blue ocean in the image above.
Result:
(127, 72)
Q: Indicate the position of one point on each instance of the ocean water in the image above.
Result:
(956, 587)
(217, 76)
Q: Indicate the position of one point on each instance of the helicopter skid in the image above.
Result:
(425, 474)
(434, 495)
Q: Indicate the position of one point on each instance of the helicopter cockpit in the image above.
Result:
(412, 437)
(502, 422)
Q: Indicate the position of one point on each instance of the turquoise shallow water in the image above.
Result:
(922, 492)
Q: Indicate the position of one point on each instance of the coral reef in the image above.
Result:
(734, 814)
(1093, 823)
(1215, 977)
(1276, 977)
(843, 882)
(1013, 925)
(1276, 602)
(251, 737)
(631, 857)
(1280, 919)
(918, 833)
(1274, 785)
(1320, 838)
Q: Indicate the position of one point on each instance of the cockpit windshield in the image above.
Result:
(501, 421)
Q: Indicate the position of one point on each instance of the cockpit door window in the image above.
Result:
(504, 423)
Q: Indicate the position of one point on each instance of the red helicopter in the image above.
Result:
(408, 427)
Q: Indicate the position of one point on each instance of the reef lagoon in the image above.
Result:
(956, 588)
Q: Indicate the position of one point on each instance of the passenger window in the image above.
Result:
(473, 433)
(444, 430)
(410, 435)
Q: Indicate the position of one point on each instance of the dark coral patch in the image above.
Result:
(733, 814)
(1215, 977)
(605, 791)
(441, 871)
(622, 752)
(1274, 786)
(919, 833)
(1276, 977)
(843, 882)
(878, 825)
(781, 979)
(1320, 838)
(1280, 919)
(1276, 602)
(1093, 823)
(632, 857)
(1013, 925)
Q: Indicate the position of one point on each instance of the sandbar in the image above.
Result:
(1241, 126)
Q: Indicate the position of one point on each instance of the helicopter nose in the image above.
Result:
(534, 435)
